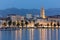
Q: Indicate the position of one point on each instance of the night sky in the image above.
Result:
(29, 4)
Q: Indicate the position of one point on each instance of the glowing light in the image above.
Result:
(43, 34)
(42, 13)
(20, 34)
(31, 31)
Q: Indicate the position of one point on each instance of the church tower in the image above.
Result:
(42, 14)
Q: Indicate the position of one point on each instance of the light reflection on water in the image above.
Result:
(25, 34)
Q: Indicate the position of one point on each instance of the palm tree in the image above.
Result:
(22, 24)
(9, 23)
(26, 23)
(58, 24)
(54, 26)
(6, 21)
(36, 25)
(18, 24)
(14, 23)
(40, 24)
(51, 24)
(5, 24)
(34, 21)
(47, 25)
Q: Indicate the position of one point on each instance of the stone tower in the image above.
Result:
(42, 14)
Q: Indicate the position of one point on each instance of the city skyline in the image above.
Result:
(29, 20)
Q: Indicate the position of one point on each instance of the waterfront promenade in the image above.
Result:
(39, 27)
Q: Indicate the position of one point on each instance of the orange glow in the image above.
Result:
(43, 34)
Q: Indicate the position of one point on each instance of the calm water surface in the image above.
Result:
(25, 34)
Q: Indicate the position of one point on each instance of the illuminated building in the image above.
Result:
(42, 14)
(28, 16)
(16, 17)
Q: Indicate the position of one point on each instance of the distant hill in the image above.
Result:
(51, 11)
(19, 11)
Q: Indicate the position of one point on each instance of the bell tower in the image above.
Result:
(42, 14)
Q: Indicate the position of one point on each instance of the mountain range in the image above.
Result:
(48, 12)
